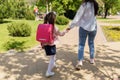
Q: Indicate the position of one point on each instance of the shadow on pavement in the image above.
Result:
(32, 65)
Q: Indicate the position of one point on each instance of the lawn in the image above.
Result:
(112, 33)
(107, 20)
(29, 41)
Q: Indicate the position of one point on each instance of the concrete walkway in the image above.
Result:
(31, 65)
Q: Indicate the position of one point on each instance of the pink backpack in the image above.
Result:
(45, 33)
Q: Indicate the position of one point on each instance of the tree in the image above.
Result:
(44, 5)
(67, 7)
(12, 8)
(109, 4)
(18, 8)
(116, 9)
(60, 6)
(3, 9)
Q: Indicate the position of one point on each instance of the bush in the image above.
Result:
(13, 44)
(19, 29)
(1, 20)
(62, 20)
(29, 15)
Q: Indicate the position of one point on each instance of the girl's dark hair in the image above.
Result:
(96, 7)
(50, 18)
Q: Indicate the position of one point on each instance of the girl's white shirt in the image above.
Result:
(85, 17)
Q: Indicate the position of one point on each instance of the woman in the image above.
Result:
(85, 18)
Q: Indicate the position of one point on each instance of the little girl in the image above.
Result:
(50, 48)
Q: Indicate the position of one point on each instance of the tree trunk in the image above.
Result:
(106, 13)
(50, 6)
(46, 6)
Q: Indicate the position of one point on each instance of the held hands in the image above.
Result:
(65, 31)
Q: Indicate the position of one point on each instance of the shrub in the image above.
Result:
(1, 20)
(29, 15)
(13, 44)
(62, 20)
(19, 29)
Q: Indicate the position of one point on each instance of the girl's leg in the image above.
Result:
(91, 37)
(50, 66)
(51, 63)
(82, 40)
(54, 60)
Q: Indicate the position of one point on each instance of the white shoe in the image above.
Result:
(80, 62)
(49, 74)
(92, 61)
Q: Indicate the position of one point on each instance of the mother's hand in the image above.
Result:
(67, 29)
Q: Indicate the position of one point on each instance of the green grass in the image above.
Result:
(112, 33)
(107, 20)
(29, 41)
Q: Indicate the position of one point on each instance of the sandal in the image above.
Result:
(78, 67)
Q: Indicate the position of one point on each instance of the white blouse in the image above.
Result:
(85, 17)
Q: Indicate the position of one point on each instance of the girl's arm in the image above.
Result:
(58, 32)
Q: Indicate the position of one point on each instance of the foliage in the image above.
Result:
(59, 10)
(115, 9)
(29, 15)
(19, 29)
(59, 6)
(3, 9)
(71, 6)
(12, 8)
(63, 6)
(41, 5)
(13, 44)
(110, 7)
(18, 8)
(70, 14)
(112, 33)
(62, 20)
(30, 41)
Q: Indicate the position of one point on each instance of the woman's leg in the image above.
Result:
(82, 40)
(91, 37)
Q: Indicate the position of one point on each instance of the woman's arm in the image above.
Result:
(78, 16)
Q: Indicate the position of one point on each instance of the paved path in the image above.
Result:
(71, 38)
(31, 65)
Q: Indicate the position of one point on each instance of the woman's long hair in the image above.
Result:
(96, 7)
